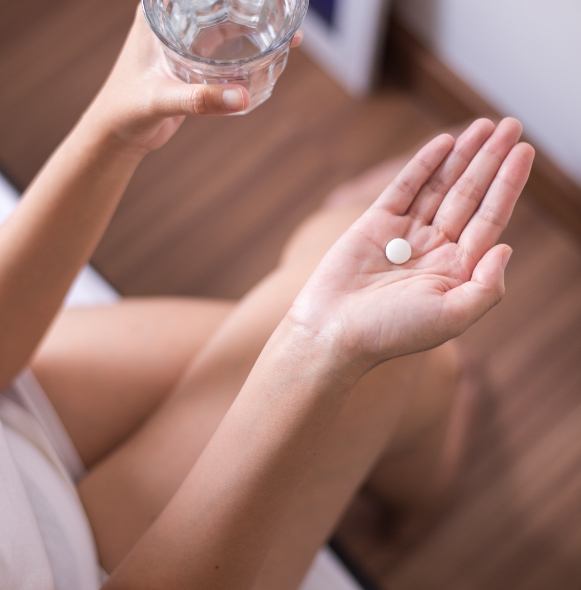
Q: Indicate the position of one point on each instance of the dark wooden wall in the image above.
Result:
(208, 215)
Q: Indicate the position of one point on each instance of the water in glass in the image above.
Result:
(227, 41)
(225, 29)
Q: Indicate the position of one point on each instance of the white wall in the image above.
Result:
(523, 56)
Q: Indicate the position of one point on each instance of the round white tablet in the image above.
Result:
(398, 251)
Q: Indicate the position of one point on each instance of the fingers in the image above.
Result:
(467, 146)
(179, 99)
(495, 211)
(466, 304)
(297, 40)
(465, 196)
(400, 194)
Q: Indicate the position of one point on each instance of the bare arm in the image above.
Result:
(67, 208)
(356, 311)
(51, 236)
(217, 530)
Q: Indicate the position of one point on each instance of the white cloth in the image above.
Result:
(24, 559)
(46, 541)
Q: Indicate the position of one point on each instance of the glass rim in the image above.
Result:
(231, 62)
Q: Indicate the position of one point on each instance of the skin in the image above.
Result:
(108, 369)
(311, 418)
(66, 209)
(137, 111)
(123, 356)
(308, 370)
(86, 375)
(456, 273)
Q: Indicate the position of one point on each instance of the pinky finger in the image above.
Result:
(466, 304)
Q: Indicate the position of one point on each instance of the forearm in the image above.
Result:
(67, 208)
(53, 233)
(217, 530)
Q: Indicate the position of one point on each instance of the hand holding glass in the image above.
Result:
(244, 42)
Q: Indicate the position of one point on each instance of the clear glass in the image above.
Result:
(244, 42)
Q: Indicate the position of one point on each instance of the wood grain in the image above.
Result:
(442, 90)
(208, 216)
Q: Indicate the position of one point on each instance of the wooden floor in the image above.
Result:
(208, 215)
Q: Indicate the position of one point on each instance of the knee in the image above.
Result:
(313, 238)
(434, 386)
(427, 384)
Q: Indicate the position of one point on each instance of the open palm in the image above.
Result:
(451, 202)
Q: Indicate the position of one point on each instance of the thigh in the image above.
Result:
(343, 206)
(106, 369)
(124, 493)
(127, 491)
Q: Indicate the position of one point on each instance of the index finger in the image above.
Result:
(401, 193)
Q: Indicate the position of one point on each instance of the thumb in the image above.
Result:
(179, 98)
(467, 303)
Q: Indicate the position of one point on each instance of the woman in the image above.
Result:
(216, 444)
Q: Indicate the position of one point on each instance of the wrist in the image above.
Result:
(321, 351)
(102, 131)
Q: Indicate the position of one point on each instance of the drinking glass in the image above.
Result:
(243, 42)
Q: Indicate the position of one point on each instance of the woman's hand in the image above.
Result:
(451, 202)
(142, 106)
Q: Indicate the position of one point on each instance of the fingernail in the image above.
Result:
(507, 256)
(233, 99)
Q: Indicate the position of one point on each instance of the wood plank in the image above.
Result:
(208, 216)
(454, 100)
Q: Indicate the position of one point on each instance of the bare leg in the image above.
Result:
(107, 369)
(125, 492)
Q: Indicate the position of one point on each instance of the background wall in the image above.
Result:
(523, 56)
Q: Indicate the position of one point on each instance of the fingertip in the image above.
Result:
(482, 128)
(507, 253)
(521, 159)
(514, 124)
(245, 97)
(449, 142)
(297, 39)
(476, 136)
(235, 98)
(485, 122)
(438, 148)
(488, 267)
(444, 142)
(447, 137)
(528, 150)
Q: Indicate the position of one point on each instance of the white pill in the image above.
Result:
(398, 251)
